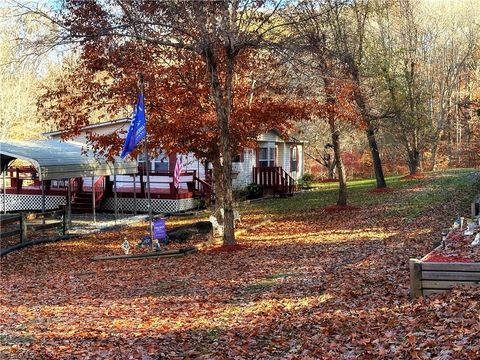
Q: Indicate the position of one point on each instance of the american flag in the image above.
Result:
(176, 173)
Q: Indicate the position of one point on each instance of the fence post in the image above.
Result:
(23, 227)
(415, 278)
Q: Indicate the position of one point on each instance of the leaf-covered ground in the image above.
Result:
(309, 284)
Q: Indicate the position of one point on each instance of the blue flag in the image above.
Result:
(136, 131)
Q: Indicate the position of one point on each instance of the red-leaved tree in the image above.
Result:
(211, 82)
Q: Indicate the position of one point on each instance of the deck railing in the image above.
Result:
(275, 178)
(99, 189)
(158, 180)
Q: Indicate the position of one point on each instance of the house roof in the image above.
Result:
(288, 138)
(49, 134)
(91, 126)
(60, 160)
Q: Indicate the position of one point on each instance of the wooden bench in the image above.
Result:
(216, 227)
(236, 216)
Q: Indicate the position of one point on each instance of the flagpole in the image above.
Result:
(147, 165)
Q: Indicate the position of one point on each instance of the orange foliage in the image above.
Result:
(181, 115)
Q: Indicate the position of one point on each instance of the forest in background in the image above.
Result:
(417, 65)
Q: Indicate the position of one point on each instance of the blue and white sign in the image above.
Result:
(159, 229)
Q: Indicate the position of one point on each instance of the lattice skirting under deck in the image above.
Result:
(158, 205)
(19, 202)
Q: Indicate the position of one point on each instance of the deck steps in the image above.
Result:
(82, 203)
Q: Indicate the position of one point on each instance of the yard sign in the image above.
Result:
(159, 229)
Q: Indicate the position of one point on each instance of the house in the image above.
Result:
(276, 164)
(274, 159)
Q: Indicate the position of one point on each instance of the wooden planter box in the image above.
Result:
(435, 277)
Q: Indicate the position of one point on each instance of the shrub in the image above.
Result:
(254, 191)
(306, 181)
(240, 194)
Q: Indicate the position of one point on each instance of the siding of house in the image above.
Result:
(270, 136)
(243, 169)
(301, 163)
(189, 161)
(104, 130)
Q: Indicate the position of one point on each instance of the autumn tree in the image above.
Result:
(21, 81)
(420, 63)
(327, 76)
(212, 103)
(347, 24)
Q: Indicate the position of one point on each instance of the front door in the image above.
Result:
(266, 156)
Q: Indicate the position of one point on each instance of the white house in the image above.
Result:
(275, 164)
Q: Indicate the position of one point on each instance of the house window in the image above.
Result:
(266, 156)
(141, 162)
(294, 159)
(239, 158)
(160, 164)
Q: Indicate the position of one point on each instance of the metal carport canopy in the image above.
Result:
(55, 159)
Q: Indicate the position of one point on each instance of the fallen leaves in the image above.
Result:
(457, 249)
(337, 208)
(306, 285)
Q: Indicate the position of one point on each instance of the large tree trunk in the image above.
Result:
(372, 141)
(218, 184)
(413, 161)
(223, 98)
(377, 162)
(342, 190)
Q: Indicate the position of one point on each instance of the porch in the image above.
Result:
(274, 180)
(23, 191)
(43, 175)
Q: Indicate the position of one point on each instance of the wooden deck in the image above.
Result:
(24, 181)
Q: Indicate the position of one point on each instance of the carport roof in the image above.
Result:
(55, 159)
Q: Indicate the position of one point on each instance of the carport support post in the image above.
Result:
(69, 205)
(4, 192)
(93, 201)
(135, 194)
(115, 193)
(43, 201)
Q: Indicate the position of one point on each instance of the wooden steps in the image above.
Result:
(82, 203)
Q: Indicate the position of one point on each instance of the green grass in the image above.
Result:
(411, 198)
(459, 185)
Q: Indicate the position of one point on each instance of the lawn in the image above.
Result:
(308, 284)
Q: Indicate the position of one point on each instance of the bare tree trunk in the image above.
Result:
(222, 98)
(331, 170)
(372, 141)
(337, 151)
(435, 151)
(413, 161)
(377, 162)
(342, 190)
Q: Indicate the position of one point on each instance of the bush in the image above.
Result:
(181, 235)
(306, 181)
(240, 194)
(254, 191)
